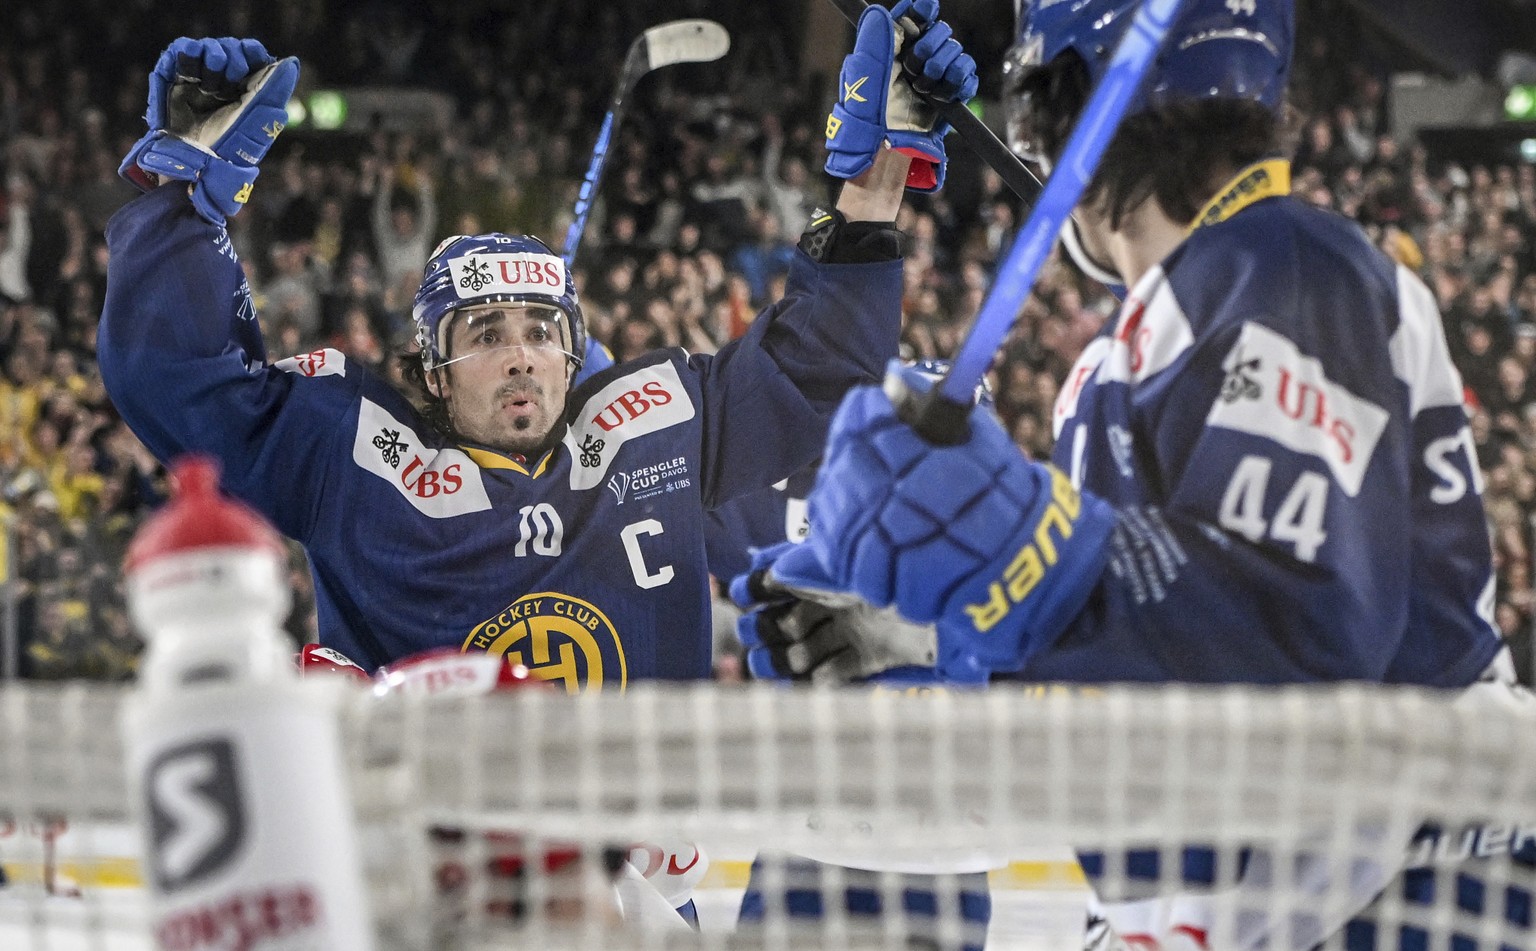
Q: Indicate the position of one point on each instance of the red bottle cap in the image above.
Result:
(199, 516)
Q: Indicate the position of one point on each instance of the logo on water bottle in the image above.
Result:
(197, 821)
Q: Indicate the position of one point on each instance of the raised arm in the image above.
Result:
(773, 392)
(179, 348)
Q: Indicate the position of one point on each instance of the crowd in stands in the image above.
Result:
(709, 182)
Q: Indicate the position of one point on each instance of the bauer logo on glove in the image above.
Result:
(1038, 556)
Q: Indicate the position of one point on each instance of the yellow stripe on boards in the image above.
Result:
(1016, 876)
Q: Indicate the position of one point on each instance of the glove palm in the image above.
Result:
(797, 627)
(215, 108)
(879, 104)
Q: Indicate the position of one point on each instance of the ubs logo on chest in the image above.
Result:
(440, 483)
(636, 404)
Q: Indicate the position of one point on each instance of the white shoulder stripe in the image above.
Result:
(1274, 391)
(636, 404)
(325, 362)
(1151, 332)
(1419, 354)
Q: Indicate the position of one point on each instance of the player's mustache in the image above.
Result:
(519, 386)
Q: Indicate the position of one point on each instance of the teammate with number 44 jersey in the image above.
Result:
(1273, 413)
(513, 507)
(1263, 471)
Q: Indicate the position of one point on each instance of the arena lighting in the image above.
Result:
(1528, 151)
(1520, 103)
(296, 112)
(328, 109)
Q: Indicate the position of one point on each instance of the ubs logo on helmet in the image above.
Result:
(474, 275)
(498, 272)
(558, 638)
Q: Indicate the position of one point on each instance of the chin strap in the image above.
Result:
(1080, 257)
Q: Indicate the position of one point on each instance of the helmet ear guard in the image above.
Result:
(472, 270)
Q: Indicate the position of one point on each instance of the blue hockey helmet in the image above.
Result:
(471, 270)
(1230, 49)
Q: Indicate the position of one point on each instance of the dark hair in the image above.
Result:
(433, 408)
(1180, 153)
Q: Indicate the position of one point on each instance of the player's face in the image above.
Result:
(507, 379)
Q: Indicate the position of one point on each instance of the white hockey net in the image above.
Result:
(1253, 818)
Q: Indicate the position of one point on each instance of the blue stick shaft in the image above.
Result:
(588, 191)
(1016, 275)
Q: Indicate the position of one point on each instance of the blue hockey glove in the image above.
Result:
(1002, 552)
(795, 627)
(879, 104)
(215, 108)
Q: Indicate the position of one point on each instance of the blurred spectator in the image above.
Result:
(16, 240)
(766, 256)
(403, 227)
(293, 293)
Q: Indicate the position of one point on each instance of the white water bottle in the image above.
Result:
(235, 763)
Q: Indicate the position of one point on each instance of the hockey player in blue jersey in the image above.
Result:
(1263, 472)
(503, 509)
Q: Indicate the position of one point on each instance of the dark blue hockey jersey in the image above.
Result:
(1275, 417)
(760, 519)
(586, 564)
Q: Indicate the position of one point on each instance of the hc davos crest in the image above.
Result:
(558, 638)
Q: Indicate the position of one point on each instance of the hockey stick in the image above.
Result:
(939, 415)
(680, 41)
(1014, 173)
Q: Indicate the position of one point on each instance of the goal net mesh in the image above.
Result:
(1231, 817)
